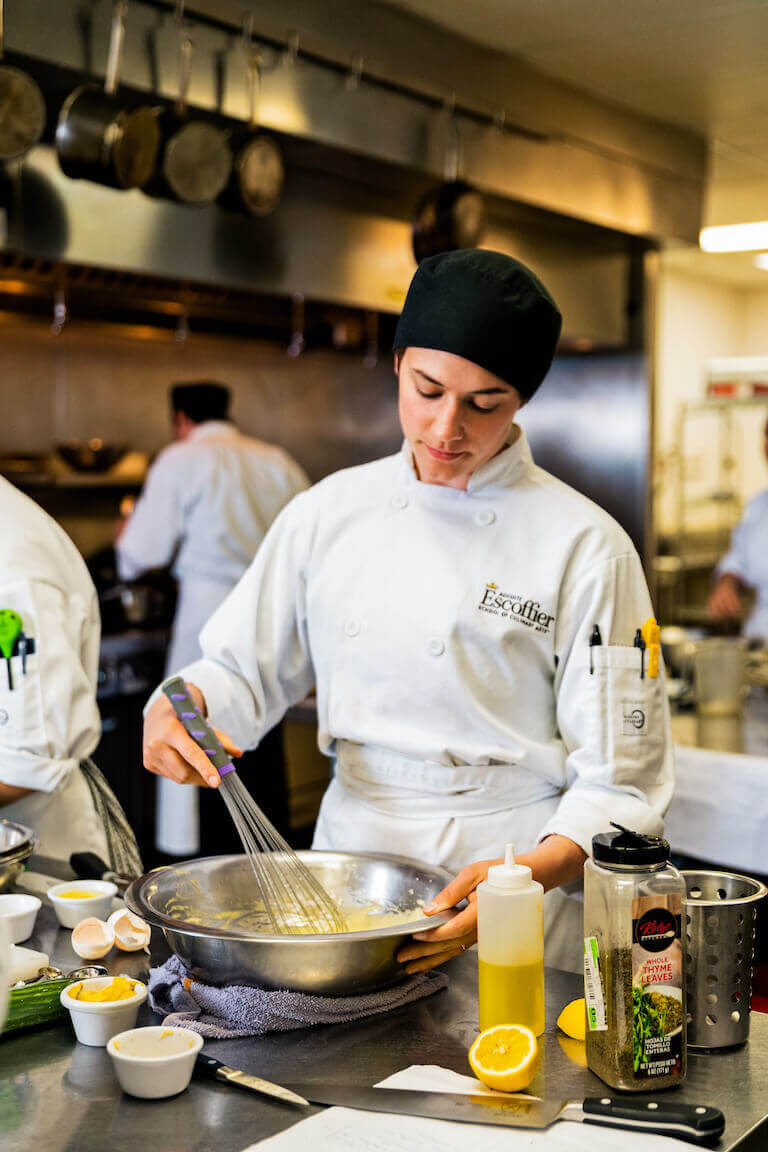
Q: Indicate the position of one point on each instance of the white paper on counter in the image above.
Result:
(350, 1130)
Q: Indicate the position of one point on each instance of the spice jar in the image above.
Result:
(634, 978)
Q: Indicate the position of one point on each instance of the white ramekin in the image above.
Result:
(71, 911)
(96, 1023)
(19, 913)
(154, 1077)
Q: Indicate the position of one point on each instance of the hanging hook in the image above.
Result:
(291, 49)
(246, 28)
(355, 74)
(60, 314)
(297, 344)
(181, 331)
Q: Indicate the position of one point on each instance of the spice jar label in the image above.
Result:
(593, 987)
(657, 986)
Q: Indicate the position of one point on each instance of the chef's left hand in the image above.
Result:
(555, 860)
(451, 939)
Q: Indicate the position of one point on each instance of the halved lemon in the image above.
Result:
(505, 1057)
(572, 1019)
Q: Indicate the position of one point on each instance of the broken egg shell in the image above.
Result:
(131, 932)
(92, 938)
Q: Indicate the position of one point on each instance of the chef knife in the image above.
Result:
(207, 1066)
(666, 1118)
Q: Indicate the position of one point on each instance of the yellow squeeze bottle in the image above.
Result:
(510, 945)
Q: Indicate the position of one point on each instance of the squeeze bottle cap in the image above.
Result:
(509, 875)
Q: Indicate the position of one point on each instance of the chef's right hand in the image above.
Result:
(170, 751)
(725, 601)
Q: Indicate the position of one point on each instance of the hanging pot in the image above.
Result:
(197, 160)
(448, 217)
(453, 214)
(97, 138)
(258, 171)
(22, 109)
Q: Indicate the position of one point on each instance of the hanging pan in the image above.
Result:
(99, 139)
(257, 174)
(197, 160)
(22, 108)
(453, 214)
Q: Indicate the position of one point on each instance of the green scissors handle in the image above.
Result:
(10, 627)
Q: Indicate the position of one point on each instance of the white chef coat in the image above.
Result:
(207, 504)
(747, 558)
(447, 632)
(49, 722)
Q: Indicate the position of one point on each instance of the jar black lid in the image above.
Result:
(629, 848)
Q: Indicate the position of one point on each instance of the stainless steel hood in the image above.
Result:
(570, 183)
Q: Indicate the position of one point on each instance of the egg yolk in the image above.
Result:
(121, 988)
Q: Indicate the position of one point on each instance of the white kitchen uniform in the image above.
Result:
(747, 558)
(447, 632)
(49, 722)
(207, 504)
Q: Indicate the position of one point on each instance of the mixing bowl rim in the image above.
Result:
(137, 903)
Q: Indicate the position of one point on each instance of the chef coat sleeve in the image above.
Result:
(152, 534)
(736, 560)
(632, 781)
(49, 721)
(256, 654)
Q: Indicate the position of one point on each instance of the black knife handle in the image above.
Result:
(207, 1066)
(649, 1114)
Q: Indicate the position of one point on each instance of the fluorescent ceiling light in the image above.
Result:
(735, 237)
(761, 261)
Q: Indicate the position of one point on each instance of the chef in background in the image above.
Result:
(745, 568)
(206, 506)
(49, 720)
(442, 600)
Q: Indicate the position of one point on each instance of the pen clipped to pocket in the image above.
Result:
(625, 711)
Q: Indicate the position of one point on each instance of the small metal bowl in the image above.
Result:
(341, 964)
(17, 843)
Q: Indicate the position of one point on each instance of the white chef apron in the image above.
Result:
(64, 820)
(177, 822)
(449, 816)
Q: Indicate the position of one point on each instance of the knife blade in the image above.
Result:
(697, 1124)
(215, 1070)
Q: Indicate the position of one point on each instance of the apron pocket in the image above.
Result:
(626, 726)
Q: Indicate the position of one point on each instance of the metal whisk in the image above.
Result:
(294, 900)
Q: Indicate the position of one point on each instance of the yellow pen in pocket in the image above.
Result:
(651, 633)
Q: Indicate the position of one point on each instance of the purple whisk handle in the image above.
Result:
(197, 726)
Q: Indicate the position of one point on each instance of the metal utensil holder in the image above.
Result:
(720, 914)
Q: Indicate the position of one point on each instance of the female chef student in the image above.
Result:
(442, 601)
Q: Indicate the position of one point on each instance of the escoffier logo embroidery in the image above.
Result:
(510, 606)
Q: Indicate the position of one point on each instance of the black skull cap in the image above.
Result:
(488, 308)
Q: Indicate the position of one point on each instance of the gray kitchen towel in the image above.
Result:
(224, 1013)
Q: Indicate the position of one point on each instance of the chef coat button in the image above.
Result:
(3, 716)
(351, 627)
(485, 516)
(436, 647)
(400, 500)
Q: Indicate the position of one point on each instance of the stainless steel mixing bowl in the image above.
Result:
(331, 965)
(17, 843)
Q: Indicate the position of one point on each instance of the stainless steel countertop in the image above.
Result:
(57, 1095)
